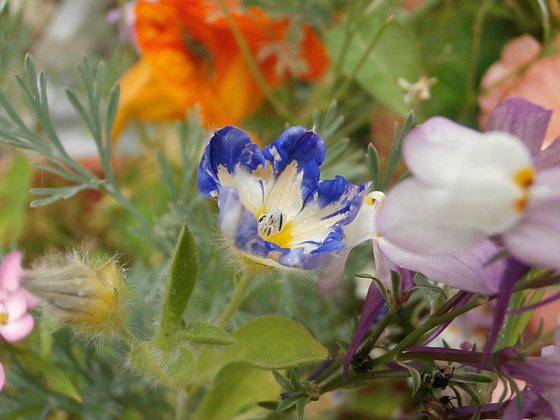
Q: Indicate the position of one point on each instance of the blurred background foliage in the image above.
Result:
(454, 41)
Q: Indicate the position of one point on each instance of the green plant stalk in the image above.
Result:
(337, 381)
(427, 326)
(241, 287)
(471, 91)
(280, 108)
(370, 343)
(545, 20)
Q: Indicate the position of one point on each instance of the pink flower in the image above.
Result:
(15, 322)
(524, 72)
(2, 377)
(10, 272)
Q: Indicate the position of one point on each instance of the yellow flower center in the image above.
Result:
(3, 318)
(273, 227)
(524, 178)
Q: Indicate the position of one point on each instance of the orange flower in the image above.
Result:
(524, 72)
(190, 56)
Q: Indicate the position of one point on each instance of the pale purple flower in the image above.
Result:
(468, 186)
(541, 373)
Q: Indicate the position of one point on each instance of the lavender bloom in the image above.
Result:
(541, 373)
(468, 186)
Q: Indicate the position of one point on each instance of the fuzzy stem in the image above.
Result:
(242, 283)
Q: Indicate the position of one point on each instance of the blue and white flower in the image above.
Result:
(274, 209)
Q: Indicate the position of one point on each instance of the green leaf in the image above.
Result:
(395, 55)
(56, 194)
(237, 388)
(287, 403)
(13, 199)
(283, 381)
(269, 342)
(205, 333)
(180, 283)
(172, 369)
(415, 375)
(372, 163)
(57, 380)
(300, 406)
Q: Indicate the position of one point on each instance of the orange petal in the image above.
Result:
(143, 97)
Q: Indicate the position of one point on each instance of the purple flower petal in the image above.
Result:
(333, 271)
(435, 149)
(514, 271)
(549, 157)
(523, 119)
(465, 271)
(373, 304)
(417, 217)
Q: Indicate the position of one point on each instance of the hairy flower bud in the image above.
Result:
(76, 293)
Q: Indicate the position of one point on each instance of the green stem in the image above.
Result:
(368, 346)
(128, 337)
(181, 402)
(162, 245)
(471, 90)
(416, 334)
(280, 108)
(241, 285)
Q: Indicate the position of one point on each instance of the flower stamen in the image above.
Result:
(3, 318)
(271, 223)
(524, 178)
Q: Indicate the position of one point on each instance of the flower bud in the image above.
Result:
(77, 294)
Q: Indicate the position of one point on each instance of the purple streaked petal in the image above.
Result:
(536, 239)
(513, 272)
(536, 370)
(549, 157)
(10, 271)
(17, 329)
(230, 149)
(465, 271)
(467, 357)
(372, 306)
(523, 119)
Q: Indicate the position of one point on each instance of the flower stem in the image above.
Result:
(416, 334)
(242, 283)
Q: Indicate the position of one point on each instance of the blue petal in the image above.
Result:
(317, 258)
(343, 198)
(230, 148)
(296, 143)
(240, 227)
